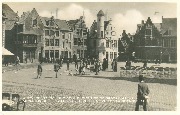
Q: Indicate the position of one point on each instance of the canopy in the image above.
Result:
(6, 52)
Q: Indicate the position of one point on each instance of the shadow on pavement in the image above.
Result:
(135, 79)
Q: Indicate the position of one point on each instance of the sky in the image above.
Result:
(124, 15)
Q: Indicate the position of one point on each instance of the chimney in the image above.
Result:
(142, 22)
(124, 31)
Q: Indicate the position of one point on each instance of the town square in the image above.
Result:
(75, 57)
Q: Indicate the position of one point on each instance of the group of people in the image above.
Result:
(80, 65)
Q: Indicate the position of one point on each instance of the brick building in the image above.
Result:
(29, 36)
(80, 33)
(58, 39)
(103, 41)
(148, 41)
(8, 25)
(169, 36)
(157, 40)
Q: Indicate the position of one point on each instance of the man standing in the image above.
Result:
(67, 64)
(142, 94)
(39, 71)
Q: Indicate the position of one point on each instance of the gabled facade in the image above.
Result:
(126, 47)
(80, 34)
(103, 39)
(58, 39)
(29, 39)
(148, 41)
(169, 36)
(9, 26)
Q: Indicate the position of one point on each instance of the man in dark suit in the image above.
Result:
(142, 94)
(39, 70)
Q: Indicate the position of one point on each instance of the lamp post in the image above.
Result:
(161, 57)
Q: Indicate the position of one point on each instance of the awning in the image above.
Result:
(6, 52)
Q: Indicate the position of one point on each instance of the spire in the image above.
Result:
(100, 13)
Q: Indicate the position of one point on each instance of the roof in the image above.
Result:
(158, 26)
(43, 19)
(106, 24)
(72, 23)
(100, 13)
(62, 24)
(8, 12)
(9, 25)
(169, 24)
(23, 17)
(10, 15)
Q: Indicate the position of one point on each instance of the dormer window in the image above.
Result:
(169, 32)
(148, 31)
(34, 22)
(52, 23)
(47, 23)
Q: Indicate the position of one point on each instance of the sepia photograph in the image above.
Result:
(89, 56)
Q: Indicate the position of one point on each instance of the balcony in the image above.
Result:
(29, 45)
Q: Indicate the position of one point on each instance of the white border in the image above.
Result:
(101, 112)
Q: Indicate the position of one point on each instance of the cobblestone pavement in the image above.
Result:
(104, 92)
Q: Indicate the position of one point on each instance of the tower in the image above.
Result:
(100, 24)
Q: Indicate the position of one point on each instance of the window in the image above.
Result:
(56, 42)
(52, 32)
(115, 43)
(85, 41)
(111, 55)
(173, 43)
(166, 43)
(63, 35)
(47, 53)
(51, 23)
(46, 32)
(84, 32)
(52, 42)
(148, 31)
(107, 43)
(169, 32)
(51, 53)
(101, 33)
(70, 45)
(112, 43)
(63, 44)
(115, 55)
(75, 41)
(77, 31)
(35, 41)
(70, 36)
(57, 33)
(56, 53)
(47, 23)
(34, 22)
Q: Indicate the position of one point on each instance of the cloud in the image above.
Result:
(127, 21)
(72, 12)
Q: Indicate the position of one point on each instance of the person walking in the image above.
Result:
(142, 94)
(96, 67)
(39, 70)
(76, 64)
(115, 65)
(67, 64)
